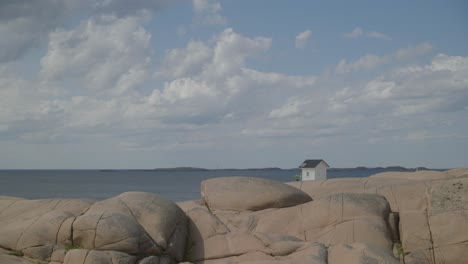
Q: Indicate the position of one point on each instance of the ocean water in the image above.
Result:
(102, 184)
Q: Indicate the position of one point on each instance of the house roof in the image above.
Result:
(312, 163)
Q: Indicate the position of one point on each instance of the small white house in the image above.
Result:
(314, 170)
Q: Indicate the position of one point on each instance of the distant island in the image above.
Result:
(181, 169)
(203, 169)
(389, 168)
(359, 168)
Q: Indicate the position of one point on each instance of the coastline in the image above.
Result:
(386, 218)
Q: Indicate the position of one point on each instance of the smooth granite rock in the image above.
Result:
(419, 217)
(135, 223)
(247, 193)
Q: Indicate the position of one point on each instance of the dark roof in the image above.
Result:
(312, 163)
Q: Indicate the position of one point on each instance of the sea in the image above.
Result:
(174, 185)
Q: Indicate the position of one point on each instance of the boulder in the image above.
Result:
(226, 236)
(35, 227)
(9, 259)
(417, 175)
(86, 256)
(330, 220)
(359, 253)
(247, 193)
(307, 253)
(135, 223)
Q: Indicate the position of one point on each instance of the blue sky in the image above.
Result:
(217, 84)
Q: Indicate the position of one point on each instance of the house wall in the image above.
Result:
(311, 174)
(317, 173)
(321, 171)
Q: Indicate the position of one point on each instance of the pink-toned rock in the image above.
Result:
(134, 223)
(334, 219)
(417, 175)
(247, 193)
(35, 227)
(359, 253)
(85, 256)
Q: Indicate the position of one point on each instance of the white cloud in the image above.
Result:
(186, 61)
(98, 83)
(226, 57)
(366, 62)
(441, 86)
(359, 32)
(371, 61)
(27, 22)
(208, 12)
(302, 39)
(103, 53)
(213, 78)
(412, 52)
(231, 51)
(290, 109)
(273, 78)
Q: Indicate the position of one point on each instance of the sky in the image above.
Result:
(93, 84)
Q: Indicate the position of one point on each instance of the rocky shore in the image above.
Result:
(395, 217)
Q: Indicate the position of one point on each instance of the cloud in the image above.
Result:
(441, 86)
(208, 78)
(371, 61)
(208, 12)
(185, 61)
(302, 39)
(412, 52)
(98, 68)
(102, 53)
(27, 22)
(290, 109)
(359, 32)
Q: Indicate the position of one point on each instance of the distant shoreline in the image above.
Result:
(360, 168)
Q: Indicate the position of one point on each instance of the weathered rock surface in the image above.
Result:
(419, 217)
(247, 193)
(136, 224)
(432, 207)
(283, 235)
(87, 256)
(360, 253)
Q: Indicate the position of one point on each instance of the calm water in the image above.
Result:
(174, 185)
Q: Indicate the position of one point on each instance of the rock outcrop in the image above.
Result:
(432, 210)
(388, 218)
(249, 194)
(123, 229)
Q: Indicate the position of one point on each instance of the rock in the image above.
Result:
(226, 236)
(414, 231)
(134, 223)
(458, 172)
(246, 193)
(448, 219)
(9, 259)
(308, 253)
(202, 225)
(34, 227)
(149, 260)
(231, 244)
(426, 211)
(331, 220)
(58, 255)
(85, 256)
(417, 175)
(359, 253)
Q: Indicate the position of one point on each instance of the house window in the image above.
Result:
(307, 174)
